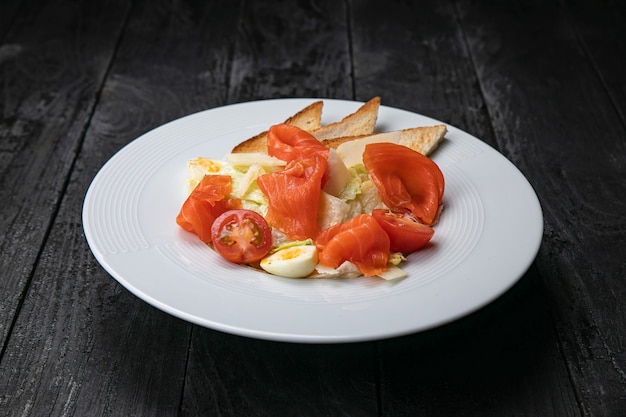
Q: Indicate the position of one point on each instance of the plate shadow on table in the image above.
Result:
(499, 356)
(490, 355)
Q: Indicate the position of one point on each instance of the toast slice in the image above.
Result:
(309, 118)
(423, 139)
(361, 122)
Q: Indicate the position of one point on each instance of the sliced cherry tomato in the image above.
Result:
(405, 179)
(360, 240)
(406, 234)
(207, 201)
(241, 236)
(288, 142)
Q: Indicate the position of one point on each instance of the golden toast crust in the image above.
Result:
(309, 118)
(359, 125)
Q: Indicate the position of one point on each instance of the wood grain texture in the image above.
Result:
(472, 361)
(234, 376)
(85, 342)
(48, 90)
(538, 85)
(291, 49)
(8, 14)
(501, 360)
(419, 62)
(605, 48)
(542, 82)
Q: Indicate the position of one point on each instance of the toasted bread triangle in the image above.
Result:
(423, 139)
(361, 122)
(309, 118)
(350, 134)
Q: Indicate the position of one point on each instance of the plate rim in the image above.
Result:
(286, 336)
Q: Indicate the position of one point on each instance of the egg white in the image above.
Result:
(292, 262)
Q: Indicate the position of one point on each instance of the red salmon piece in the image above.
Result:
(207, 201)
(405, 179)
(288, 142)
(360, 240)
(293, 195)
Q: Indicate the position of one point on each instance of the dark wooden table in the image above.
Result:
(542, 82)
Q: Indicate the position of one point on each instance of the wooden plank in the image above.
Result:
(604, 46)
(501, 360)
(538, 84)
(50, 79)
(234, 376)
(9, 13)
(419, 62)
(82, 345)
(505, 357)
(291, 49)
(283, 49)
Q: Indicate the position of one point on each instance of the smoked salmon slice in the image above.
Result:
(360, 240)
(206, 202)
(293, 195)
(288, 143)
(405, 179)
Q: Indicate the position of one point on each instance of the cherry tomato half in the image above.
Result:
(406, 234)
(241, 236)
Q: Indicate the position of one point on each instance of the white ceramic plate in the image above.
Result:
(488, 236)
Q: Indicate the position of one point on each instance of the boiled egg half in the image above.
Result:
(292, 262)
